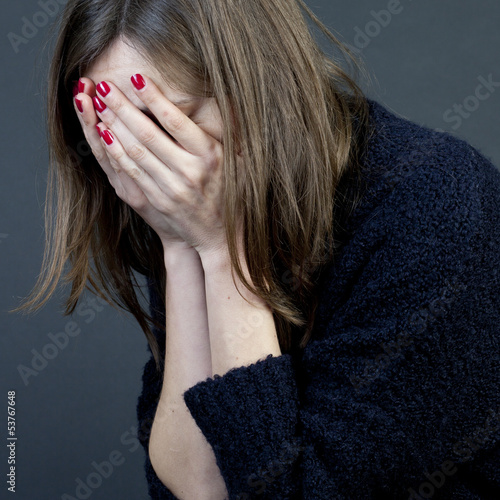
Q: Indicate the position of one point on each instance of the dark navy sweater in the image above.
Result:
(397, 393)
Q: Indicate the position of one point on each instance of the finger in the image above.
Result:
(189, 135)
(126, 188)
(170, 171)
(122, 162)
(90, 124)
(134, 128)
(173, 121)
(88, 119)
(84, 85)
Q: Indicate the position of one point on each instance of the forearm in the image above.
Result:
(180, 454)
(241, 333)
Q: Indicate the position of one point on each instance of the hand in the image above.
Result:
(173, 183)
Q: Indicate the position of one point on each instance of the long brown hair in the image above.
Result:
(300, 122)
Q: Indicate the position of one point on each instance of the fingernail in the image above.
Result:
(79, 104)
(98, 130)
(108, 138)
(81, 86)
(103, 89)
(75, 89)
(138, 81)
(98, 104)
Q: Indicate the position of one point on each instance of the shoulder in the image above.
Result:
(409, 168)
(398, 144)
(429, 213)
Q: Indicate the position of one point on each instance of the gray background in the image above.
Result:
(81, 407)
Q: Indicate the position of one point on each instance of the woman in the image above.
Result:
(353, 352)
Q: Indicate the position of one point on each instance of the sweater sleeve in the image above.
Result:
(402, 371)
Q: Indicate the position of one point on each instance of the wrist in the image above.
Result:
(215, 260)
(177, 253)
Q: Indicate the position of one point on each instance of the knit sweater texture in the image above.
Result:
(396, 395)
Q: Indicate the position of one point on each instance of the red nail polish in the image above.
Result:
(98, 130)
(108, 138)
(138, 81)
(79, 104)
(103, 89)
(75, 89)
(98, 104)
(81, 86)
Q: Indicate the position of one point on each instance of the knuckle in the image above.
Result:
(135, 173)
(177, 197)
(173, 121)
(99, 155)
(149, 98)
(212, 189)
(110, 120)
(116, 104)
(120, 192)
(213, 157)
(138, 202)
(192, 181)
(164, 205)
(118, 154)
(136, 152)
(148, 135)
